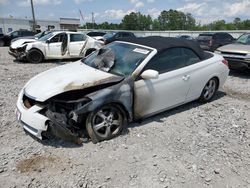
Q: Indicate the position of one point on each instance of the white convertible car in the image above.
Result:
(54, 45)
(124, 81)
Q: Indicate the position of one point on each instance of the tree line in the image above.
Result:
(168, 20)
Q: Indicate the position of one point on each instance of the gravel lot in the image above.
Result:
(195, 145)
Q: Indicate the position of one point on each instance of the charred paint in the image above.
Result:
(76, 86)
(121, 93)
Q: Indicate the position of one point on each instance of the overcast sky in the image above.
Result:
(114, 10)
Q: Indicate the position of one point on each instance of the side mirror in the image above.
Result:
(48, 41)
(150, 74)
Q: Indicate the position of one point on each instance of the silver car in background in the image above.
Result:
(238, 53)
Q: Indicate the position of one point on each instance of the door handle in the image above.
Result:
(186, 77)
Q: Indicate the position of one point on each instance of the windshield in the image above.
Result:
(46, 37)
(108, 35)
(244, 39)
(38, 35)
(117, 58)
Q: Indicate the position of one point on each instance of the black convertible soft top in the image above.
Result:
(163, 43)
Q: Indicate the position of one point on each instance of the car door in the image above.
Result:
(198, 72)
(53, 47)
(77, 40)
(169, 90)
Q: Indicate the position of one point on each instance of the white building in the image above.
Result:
(11, 24)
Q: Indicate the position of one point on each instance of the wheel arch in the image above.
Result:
(218, 81)
(120, 105)
(34, 48)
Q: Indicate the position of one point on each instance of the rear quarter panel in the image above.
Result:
(200, 73)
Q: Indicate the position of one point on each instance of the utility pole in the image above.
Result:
(33, 15)
(93, 20)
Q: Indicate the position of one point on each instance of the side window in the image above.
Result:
(119, 35)
(228, 37)
(77, 37)
(9, 29)
(126, 35)
(1, 30)
(14, 34)
(190, 57)
(223, 36)
(57, 38)
(29, 33)
(169, 60)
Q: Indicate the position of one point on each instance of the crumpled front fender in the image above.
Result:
(121, 93)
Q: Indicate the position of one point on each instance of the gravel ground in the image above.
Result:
(195, 145)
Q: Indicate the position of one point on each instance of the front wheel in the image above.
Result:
(209, 90)
(105, 122)
(34, 56)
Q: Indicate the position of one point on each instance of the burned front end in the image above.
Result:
(72, 93)
(63, 116)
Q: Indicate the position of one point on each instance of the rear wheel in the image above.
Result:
(105, 122)
(34, 56)
(209, 90)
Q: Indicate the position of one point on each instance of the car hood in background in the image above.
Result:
(72, 76)
(235, 47)
(18, 43)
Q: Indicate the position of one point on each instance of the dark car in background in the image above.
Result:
(188, 37)
(35, 37)
(212, 41)
(96, 33)
(5, 40)
(113, 36)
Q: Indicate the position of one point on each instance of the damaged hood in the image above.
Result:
(18, 43)
(64, 78)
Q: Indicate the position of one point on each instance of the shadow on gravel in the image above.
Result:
(240, 74)
(54, 61)
(236, 94)
(159, 117)
(54, 142)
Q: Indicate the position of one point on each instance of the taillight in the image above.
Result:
(225, 62)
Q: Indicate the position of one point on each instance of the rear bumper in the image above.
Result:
(241, 64)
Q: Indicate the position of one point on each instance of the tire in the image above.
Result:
(209, 90)
(35, 56)
(106, 122)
